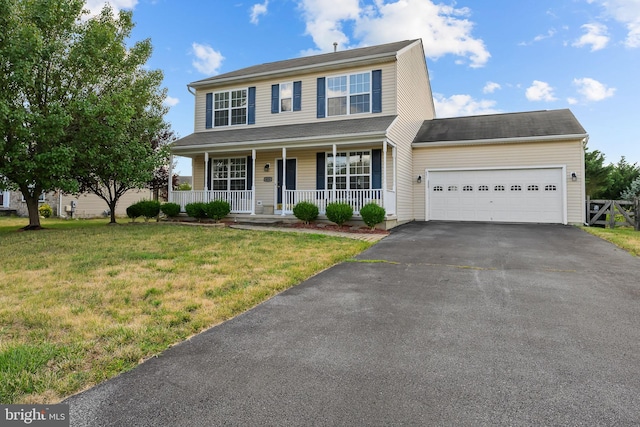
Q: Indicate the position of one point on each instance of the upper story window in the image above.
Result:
(286, 97)
(349, 94)
(230, 108)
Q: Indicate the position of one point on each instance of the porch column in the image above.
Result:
(333, 190)
(395, 172)
(384, 172)
(253, 182)
(206, 172)
(284, 180)
(170, 183)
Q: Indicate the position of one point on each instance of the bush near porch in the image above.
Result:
(81, 302)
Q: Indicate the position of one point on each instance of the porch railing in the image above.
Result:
(240, 200)
(321, 198)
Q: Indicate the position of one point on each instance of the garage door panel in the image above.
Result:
(509, 195)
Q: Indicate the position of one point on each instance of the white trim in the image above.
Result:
(280, 98)
(563, 169)
(253, 182)
(500, 140)
(206, 171)
(283, 189)
(284, 183)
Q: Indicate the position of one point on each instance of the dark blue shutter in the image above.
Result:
(209, 167)
(275, 99)
(320, 171)
(376, 169)
(249, 172)
(297, 96)
(376, 91)
(209, 112)
(251, 106)
(321, 96)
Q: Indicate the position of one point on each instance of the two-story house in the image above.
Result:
(359, 126)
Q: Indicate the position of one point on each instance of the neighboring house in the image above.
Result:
(84, 206)
(359, 126)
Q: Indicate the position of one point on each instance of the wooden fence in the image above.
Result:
(612, 213)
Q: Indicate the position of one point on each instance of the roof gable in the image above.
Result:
(545, 123)
(366, 53)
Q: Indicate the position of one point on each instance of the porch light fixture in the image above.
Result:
(419, 179)
(574, 176)
(267, 167)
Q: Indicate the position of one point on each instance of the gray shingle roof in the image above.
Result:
(376, 124)
(389, 49)
(498, 126)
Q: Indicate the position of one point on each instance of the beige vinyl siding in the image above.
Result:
(414, 106)
(308, 113)
(556, 153)
(92, 206)
(197, 167)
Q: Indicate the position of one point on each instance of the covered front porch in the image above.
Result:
(269, 182)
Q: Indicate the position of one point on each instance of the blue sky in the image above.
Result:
(493, 56)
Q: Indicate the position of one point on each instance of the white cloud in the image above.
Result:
(592, 89)
(207, 61)
(596, 36)
(444, 30)
(95, 6)
(572, 101)
(491, 87)
(462, 105)
(627, 12)
(170, 101)
(540, 91)
(257, 10)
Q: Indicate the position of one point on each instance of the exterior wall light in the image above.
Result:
(419, 179)
(267, 167)
(574, 176)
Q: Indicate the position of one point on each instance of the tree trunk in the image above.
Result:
(34, 214)
(112, 209)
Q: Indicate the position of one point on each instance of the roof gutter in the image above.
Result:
(545, 138)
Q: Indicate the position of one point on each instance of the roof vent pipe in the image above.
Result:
(335, 47)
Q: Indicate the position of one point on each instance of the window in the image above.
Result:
(550, 188)
(229, 174)
(467, 188)
(452, 188)
(353, 91)
(483, 188)
(286, 97)
(498, 188)
(516, 188)
(438, 188)
(230, 108)
(352, 170)
(532, 188)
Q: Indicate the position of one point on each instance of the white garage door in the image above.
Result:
(505, 195)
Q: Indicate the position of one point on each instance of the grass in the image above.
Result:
(81, 302)
(623, 237)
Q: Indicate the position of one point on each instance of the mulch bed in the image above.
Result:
(334, 227)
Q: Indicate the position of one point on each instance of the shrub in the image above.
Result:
(196, 210)
(217, 209)
(632, 191)
(185, 186)
(339, 212)
(149, 208)
(305, 211)
(372, 214)
(171, 210)
(134, 211)
(45, 210)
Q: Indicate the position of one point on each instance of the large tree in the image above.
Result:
(597, 173)
(71, 89)
(622, 175)
(119, 125)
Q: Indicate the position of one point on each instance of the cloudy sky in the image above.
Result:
(493, 56)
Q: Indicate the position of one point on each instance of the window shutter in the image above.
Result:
(209, 111)
(249, 172)
(297, 96)
(209, 170)
(251, 106)
(321, 96)
(320, 171)
(376, 169)
(376, 91)
(275, 99)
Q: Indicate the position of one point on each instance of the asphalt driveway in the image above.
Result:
(437, 324)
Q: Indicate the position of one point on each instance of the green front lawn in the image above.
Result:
(81, 302)
(625, 238)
